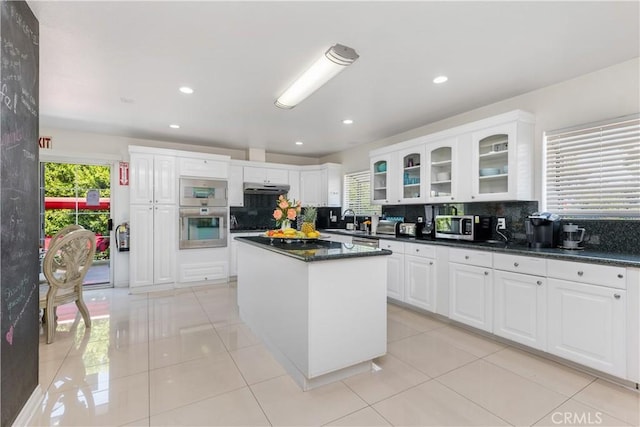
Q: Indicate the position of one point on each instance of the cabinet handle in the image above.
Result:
(430, 262)
(473, 197)
(616, 296)
(466, 257)
(580, 273)
(539, 282)
(417, 250)
(486, 273)
(620, 276)
(150, 201)
(515, 264)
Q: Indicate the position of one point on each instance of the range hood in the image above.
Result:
(262, 188)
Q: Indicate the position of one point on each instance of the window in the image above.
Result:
(357, 194)
(594, 170)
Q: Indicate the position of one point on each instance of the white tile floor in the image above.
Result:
(185, 358)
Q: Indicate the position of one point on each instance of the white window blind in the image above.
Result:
(357, 193)
(594, 170)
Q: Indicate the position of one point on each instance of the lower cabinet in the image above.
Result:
(395, 269)
(471, 296)
(153, 245)
(420, 276)
(520, 308)
(587, 324)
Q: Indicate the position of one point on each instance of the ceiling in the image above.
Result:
(115, 67)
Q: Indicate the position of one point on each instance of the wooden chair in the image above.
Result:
(65, 265)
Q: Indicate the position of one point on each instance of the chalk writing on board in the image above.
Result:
(7, 98)
(13, 321)
(17, 17)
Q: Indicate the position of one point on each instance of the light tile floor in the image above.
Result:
(185, 358)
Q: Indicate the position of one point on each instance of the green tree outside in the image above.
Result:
(72, 180)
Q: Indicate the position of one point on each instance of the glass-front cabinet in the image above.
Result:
(442, 176)
(382, 178)
(501, 167)
(413, 173)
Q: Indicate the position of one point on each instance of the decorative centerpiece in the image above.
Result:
(287, 211)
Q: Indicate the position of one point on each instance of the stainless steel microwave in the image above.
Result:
(463, 227)
(197, 192)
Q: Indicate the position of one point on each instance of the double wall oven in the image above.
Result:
(203, 213)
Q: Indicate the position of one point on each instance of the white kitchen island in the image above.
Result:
(319, 307)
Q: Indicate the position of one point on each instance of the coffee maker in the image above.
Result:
(543, 230)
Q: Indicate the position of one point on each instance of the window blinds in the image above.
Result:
(357, 193)
(594, 170)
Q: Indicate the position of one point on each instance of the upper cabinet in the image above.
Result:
(266, 175)
(321, 186)
(442, 165)
(487, 160)
(413, 175)
(203, 167)
(236, 191)
(153, 179)
(501, 164)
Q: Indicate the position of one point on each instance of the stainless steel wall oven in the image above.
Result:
(203, 227)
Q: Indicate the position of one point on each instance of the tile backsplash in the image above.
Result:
(610, 236)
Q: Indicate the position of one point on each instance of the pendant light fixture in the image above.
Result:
(334, 60)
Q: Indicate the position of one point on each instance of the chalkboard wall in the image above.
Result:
(19, 262)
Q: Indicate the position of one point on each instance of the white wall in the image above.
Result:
(68, 142)
(603, 94)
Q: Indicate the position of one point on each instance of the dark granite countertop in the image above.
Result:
(313, 250)
(623, 260)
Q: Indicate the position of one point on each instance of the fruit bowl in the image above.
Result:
(291, 235)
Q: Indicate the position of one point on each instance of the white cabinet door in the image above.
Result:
(520, 308)
(587, 324)
(311, 188)
(266, 175)
(420, 282)
(277, 176)
(332, 180)
(383, 191)
(294, 185)
(236, 190)
(205, 168)
(395, 268)
(164, 180)
(411, 175)
(395, 276)
(471, 296)
(141, 253)
(141, 178)
(442, 175)
(165, 243)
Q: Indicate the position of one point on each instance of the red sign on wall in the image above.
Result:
(124, 173)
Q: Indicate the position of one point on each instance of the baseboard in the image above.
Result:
(30, 408)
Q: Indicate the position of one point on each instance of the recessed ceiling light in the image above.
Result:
(440, 79)
(299, 143)
(347, 121)
(186, 89)
(174, 126)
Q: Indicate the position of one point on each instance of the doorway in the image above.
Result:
(75, 193)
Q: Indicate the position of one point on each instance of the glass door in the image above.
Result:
(77, 194)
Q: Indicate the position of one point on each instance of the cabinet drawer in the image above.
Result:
(520, 264)
(595, 274)
(470, 257)
(395, 247)
(200, 272)
(419, 250)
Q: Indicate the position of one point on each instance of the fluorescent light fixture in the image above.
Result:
(347, 122)
(174, 126)
(299, 143)
(186, 89)
(334, 60)
(440, 79)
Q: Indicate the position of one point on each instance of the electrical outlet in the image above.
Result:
(502, 223)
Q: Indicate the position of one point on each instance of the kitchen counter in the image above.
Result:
(585, 255)
(313, 250)
(322, 321)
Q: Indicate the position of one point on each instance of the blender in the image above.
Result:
(572, 236)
